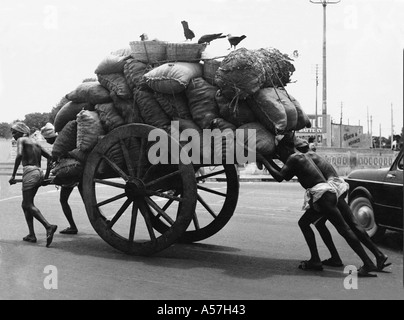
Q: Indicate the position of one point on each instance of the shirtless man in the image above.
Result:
(312, 217)
(321, 197)
(29, 154)
(48, 132)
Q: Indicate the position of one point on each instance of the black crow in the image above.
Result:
(144, 37)
(207, 38)
(188, 33)
(234, 41)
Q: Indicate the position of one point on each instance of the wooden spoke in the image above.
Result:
(145, 211)
(160, 212)
(210, 175)
(214, 215)
(110, 183)
(119, 213)
(170, 175)
(196, 221)
(142, 159)
(135, 210)
(103, 203)
(164, 195)
(170, 202)
(212, 191)
(127, 159)
(116, 168)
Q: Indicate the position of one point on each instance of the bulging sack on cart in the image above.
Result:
(116, 82)
(67, 172)
(202, 103)
(150, 109)
(134, 72)
(89, 128)
(303, 120)
(127, 109)
(116, 155)
(174, 105)
(173, 77)
(241, 74)
(67, 168)
(285, 99)
(109, 116)
(235, 111)
(278, 67)
(256, 139)
(269, 110)
(112, 64)
(66, 140)
(68, 113)
(91, 92)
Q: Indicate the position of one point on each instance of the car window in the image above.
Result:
(401, 164)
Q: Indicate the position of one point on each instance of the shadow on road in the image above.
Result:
(231, 261)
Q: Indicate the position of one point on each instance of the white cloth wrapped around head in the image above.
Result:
(48, 131)
(21, 127)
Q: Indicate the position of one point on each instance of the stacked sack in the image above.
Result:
(259, 78)
(246, 91)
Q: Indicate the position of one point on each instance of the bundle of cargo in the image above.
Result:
(243, 92)
(243, 72)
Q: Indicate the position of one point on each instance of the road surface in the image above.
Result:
(255, 257)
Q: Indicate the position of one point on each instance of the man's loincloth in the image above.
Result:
(335, 185)
(32, 177)
(339, 185)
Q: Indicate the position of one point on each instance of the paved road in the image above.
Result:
(254, 257)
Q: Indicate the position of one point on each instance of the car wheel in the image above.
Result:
(363, 211)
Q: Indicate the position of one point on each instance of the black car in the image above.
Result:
(376, 197)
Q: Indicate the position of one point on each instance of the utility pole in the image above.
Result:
(324, 3)
(316, 104)
(392, 126)
(368, 118)
(380, 135)
(340, 127)
(371, 130)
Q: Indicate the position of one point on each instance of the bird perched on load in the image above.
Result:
(144, 37)
(208, 38)
(188, 33)
(234, 41)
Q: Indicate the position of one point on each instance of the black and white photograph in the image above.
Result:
(201, 157)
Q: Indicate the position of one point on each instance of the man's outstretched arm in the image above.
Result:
(279, 174)
(48, 156)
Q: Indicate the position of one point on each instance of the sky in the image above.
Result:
(48, 47)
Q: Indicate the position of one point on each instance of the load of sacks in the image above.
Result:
(247, 92)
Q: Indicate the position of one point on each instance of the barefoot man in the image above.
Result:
(48, 132)
(311, 217)
(320, 197)
(29, 155)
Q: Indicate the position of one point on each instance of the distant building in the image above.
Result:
(339, 136)
(306, 133)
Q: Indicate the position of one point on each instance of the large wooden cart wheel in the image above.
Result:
(123, 192)
(215, 207)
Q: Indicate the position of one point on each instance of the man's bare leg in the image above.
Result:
(362, 235)
(33, 212)
(64, 197)
(327, 205)
(305, 226)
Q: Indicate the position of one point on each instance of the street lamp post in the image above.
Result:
(324, 3)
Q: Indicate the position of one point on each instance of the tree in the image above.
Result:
(36, 120)
(5, 130)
